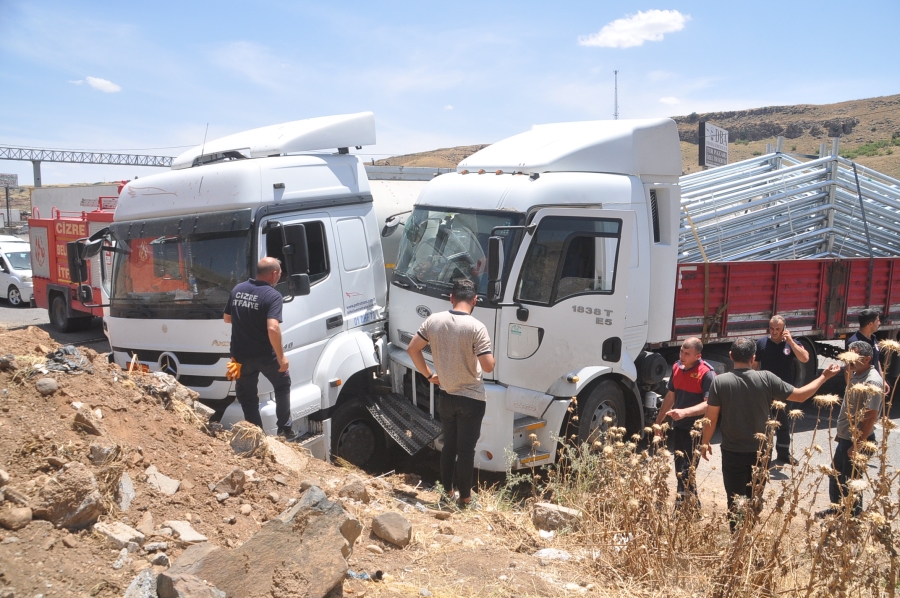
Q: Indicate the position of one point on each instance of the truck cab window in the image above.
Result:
(569, 256)
(316, 244)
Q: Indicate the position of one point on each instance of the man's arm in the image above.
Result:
(712, 414)
(664, 409)
(415, 352)
(693, 411)
(799, 352)
(801, 394)
(227, 318)
(275, 340)
(868, 423)
(487, 362)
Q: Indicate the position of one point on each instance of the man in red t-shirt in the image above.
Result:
(685, 403)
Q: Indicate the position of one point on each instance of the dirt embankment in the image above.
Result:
(68, 450)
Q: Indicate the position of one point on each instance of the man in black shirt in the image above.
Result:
(775, 353)
(869, 322)
(254, 312)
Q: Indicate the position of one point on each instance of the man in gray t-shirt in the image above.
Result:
(742, 401)
(461, 349)
(860, 409)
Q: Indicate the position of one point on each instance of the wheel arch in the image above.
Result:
(634, 411)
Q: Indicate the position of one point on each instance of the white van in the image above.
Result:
(15, 271)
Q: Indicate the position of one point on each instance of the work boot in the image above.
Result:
(288, 434)
(787, 459)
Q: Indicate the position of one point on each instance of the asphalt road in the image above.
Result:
(22, 317)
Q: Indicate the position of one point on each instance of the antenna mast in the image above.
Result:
(616, 105)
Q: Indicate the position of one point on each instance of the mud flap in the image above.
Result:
(410, 427)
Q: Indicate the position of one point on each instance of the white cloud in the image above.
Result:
(448, 107)
(634, 30)
(79, 82)
(103, 85)
(669, 100)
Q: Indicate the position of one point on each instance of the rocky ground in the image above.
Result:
(111, 486)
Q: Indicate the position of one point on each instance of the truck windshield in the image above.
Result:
(176, 276)
(440, 246)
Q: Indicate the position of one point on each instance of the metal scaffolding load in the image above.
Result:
(777, 207)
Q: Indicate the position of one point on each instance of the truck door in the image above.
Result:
(308, 322)
(571, 280)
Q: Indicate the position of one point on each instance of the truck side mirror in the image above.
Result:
(298, 284)
(85, 294)
(296, 252)
(495, 269)
(390, 226)
(77, 263)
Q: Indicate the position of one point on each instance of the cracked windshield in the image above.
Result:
(169, 273)
(440, 246)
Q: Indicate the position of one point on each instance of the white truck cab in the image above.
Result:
(15, 271)
(570, 232)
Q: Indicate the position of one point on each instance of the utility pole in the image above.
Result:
(616, 104)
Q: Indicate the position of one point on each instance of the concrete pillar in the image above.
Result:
(36, 164)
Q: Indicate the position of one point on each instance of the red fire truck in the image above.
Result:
(53, 287)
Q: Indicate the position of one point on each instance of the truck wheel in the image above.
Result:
(14, 296)
(356, 436)
(58, 317)
(605, 400)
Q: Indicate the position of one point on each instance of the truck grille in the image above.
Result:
(184, 357)
(406, 338)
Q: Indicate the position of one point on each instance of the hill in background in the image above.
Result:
(869, 131)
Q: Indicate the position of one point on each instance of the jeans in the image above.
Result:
(837, 485)
(783, 432)
(461, 419)
(737, 477)
(246, 391)
(681, 440)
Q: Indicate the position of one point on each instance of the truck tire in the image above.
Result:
(605, 400)
(356, 437)
(60, 319)
(14, 296)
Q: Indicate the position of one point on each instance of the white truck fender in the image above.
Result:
(572, 383)
(340, 360)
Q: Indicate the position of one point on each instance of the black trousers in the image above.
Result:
(737, 475)
(680, 439)
(247, 394)
(461, 419)
(837, 485)
(783, 433)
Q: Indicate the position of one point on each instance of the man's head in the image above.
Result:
(776, 329)
(268, 270)
(690, 352)
(743, 350)
(869, 321)
(865, 352)
(463, 292)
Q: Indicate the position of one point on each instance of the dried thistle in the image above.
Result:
(869, 447)
(648, 430)
(889, 347)
(827, 400)
(795, 414)
(773, 423)
(778, 404)
(857, 486)
(849, 357)
(870, 390)
(760, 436)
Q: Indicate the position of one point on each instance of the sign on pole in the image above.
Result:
(713, 145)
(9, 180)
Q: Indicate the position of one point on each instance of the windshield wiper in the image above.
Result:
(418, 286)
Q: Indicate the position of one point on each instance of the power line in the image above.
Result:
(131, 149)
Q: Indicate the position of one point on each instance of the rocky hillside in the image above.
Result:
(869, 131)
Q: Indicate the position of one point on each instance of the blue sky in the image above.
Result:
(136, 76)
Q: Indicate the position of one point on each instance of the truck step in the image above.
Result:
(527, 456)
(527, 424)
(410, 427)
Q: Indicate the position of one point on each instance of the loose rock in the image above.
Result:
(102, 451)
(46, 386)
(185, 586)
(185, 532)
(142, 586)
(246, 509)
(70, 541)
(392, 527)
(161, 483)
(84, 421)
(284, 557)
(274, 497)
(4, 478)
(145, 525)
(548, 516)
(355, 489)
(123, 559)
(15, 518)
(71, 499)
(233, 483)
(125, 493)
(119, 533)
(156, 546)
(375, 549)
(286, 456)
(160, 559)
